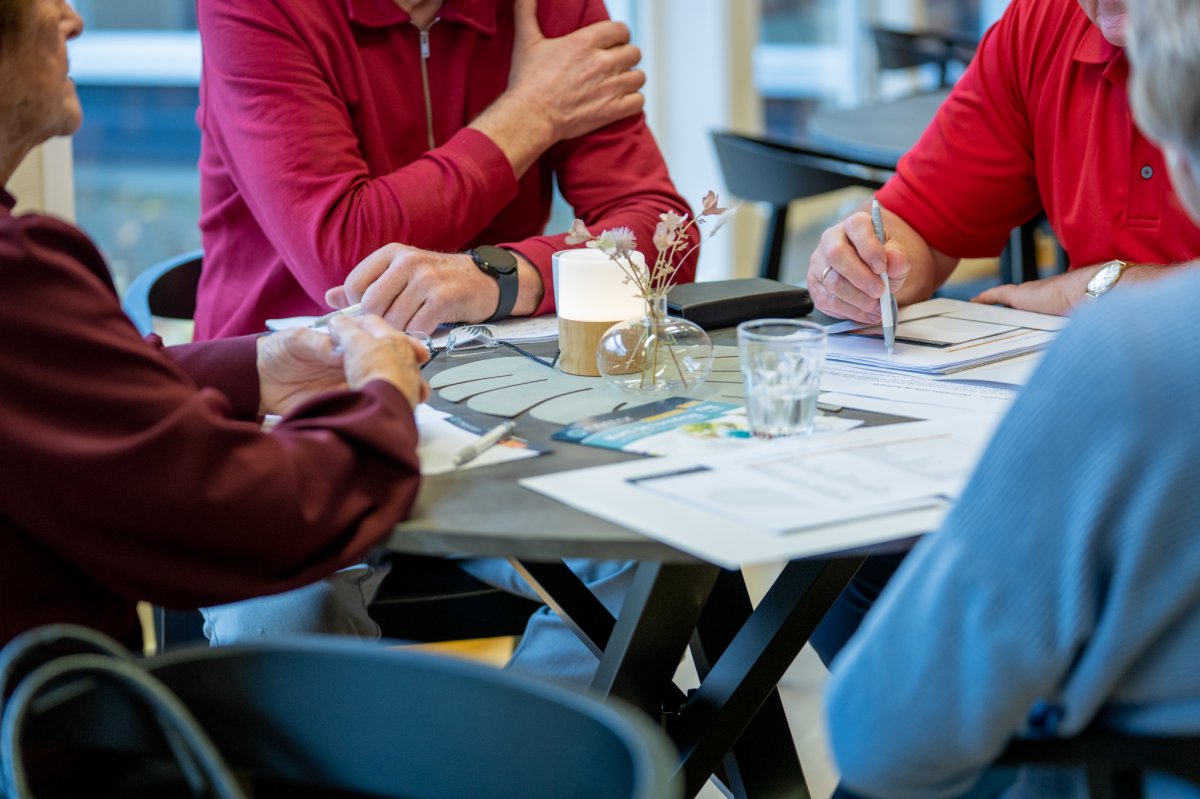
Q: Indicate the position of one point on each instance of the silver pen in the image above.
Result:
(485, 442)
(349, 310)
(887, 301)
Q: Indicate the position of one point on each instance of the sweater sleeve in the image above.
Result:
(148, 483)
(1045, 588)
(291, 147)
(612, 177)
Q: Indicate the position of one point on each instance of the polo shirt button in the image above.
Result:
(1147, 172)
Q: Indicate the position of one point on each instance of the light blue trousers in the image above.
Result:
(338, 605)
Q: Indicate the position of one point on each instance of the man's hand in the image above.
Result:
(1056, 295)
(418, 289)
(295, 366)
(373, 350)
(844, 271)
(561, 88)
(579, 82)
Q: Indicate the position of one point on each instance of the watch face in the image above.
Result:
(1104, 279)
(495, 259)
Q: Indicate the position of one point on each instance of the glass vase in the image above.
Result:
(655, 354)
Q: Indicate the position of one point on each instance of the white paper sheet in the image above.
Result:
(731, 537)
(516, 330)
(1029, 333)
(845, 378)
(440, 442)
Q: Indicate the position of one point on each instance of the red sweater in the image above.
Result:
(316, 152)
(124, 479)
(1041, 119)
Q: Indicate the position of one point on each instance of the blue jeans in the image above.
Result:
(338, 605)
(844, 618)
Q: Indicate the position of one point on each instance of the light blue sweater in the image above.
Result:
(1065, 585)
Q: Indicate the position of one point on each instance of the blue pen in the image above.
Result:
(888, 311)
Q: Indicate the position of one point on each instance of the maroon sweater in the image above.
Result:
(133, 472)
(316, 150)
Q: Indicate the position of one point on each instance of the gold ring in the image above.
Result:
(825, 274)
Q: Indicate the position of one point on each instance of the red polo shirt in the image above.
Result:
(1041, 119)
(316, 150)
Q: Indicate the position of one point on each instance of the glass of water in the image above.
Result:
(781, 372)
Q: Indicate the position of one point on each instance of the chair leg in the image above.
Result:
(772, 256)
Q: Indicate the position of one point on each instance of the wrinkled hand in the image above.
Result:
(417, 289)
(844, 271)
(373, 350)
(1056, 295)
(295, 366)
(578, 82)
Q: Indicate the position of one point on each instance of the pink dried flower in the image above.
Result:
(579, 233)
(618, 242)
(709, 205)
(670, 239)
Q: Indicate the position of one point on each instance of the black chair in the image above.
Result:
(774, 172)
(904, 49)
(166, 289)
(1115, 765)
(423, 599)
(324, 717)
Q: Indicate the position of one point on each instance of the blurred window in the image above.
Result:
(818, 52)
(137, 69)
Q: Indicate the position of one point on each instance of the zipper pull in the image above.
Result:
(425, 44)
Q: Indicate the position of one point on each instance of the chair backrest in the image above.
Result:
(339, 715)
(166, 289)
(902, 49)
(1115, 764)
(774, 172)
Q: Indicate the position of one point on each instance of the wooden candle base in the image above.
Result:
(577, 343)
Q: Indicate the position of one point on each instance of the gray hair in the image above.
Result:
(1163, 42)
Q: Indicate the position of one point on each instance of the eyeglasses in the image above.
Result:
(462, 340)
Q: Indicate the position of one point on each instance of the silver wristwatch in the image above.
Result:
(1106, 277)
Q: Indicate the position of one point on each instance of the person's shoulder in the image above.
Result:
(304, 15)
(560, 18)
(29, 238)
(1055, 25)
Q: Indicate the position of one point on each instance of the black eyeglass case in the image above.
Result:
(725, 303)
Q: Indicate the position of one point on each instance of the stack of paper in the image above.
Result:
(801, 496)
(942, 337)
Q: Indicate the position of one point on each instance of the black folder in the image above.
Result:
(725, 303)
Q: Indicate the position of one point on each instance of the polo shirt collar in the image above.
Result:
(479, 15)
(1093, 48)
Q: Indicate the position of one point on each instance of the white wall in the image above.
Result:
(697, 55)
(43, 180)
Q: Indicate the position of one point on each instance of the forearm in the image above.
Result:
(227, 365)
(522, 136)
(532, 287)
(928, 268)
(613, 177)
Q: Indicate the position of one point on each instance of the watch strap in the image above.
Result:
(509, 287)
(507, 279)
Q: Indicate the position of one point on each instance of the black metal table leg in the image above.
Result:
(651, 634)
(570, 598)
(728, 707)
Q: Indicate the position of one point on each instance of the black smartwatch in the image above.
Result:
(502, 265)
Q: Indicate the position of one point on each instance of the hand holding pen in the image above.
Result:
(350, 310)
(888, 312)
